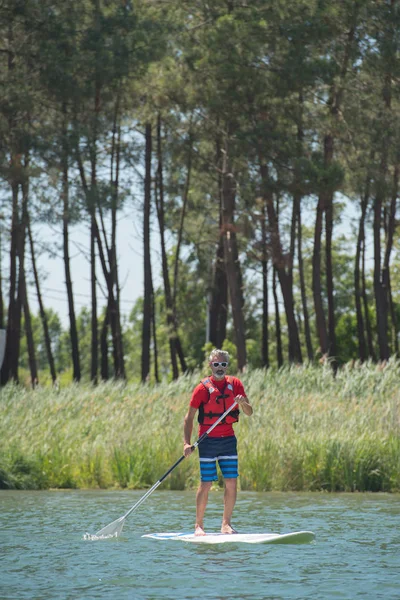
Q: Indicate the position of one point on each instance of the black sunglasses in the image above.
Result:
(217, 364)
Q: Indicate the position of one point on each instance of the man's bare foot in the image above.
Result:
(198, 530)
(227, 529)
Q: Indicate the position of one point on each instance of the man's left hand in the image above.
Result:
(240, 399)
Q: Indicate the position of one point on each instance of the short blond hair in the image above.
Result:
(216, 352)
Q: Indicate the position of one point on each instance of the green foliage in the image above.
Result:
(311, 430)
(20, 472)
(58, 339)
(251, 82)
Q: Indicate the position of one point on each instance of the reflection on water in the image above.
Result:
(43, 554)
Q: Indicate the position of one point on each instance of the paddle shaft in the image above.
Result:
(201, 438)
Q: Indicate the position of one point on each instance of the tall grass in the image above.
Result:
(310, 431)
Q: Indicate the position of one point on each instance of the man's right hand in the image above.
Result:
(187, 450)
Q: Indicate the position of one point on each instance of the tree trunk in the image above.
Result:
(176, 262)
(391, 226)
(90, 194)
(104, 347)
(306, 317)
(328, 145)
(93, 200)
(107, 256)
(366, 305)
(281, 263)
(292, 252)
(1, 280)
(22, 291)
(380, 291)
(114, 317)
(380, 277)
(174, 340)
(73, 332)
(297, 225)
(94, 366)
(16, 331)
(231, 257)
(12, 331)
(13, 326)
(362, 345)
(147, 293)
(218, 296)
(29, 334)
(265, 304)
(316, 282)
(119, 368)
(181, 223)
(218, 306)
(278, 334)
(327, 338)
(42, 311)
(154, 332)
(393, 319)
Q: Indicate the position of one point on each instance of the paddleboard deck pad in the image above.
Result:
(297, 537)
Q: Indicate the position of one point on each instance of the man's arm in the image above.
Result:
(187, 430)
(244, 404)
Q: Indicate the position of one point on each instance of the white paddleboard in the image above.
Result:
(297, 537)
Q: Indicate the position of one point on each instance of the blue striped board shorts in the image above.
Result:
(223, 450)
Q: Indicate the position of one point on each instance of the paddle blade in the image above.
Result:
(114, 529)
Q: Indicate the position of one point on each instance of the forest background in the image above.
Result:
(243, 134)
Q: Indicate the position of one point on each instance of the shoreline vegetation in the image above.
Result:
(311, 431)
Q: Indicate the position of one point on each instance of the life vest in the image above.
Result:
(217, 403)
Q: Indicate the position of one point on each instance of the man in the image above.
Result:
(211, 398)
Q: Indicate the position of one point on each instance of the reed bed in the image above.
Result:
(310, 431)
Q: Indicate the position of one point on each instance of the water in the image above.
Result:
(43, 555)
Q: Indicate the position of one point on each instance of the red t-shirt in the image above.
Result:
(200, 395)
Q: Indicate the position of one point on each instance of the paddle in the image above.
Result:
(114, 529)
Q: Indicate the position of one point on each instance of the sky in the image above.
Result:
(130, 263)
(52, 276)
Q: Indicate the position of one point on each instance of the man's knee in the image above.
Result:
(231, 483)
(205, 486)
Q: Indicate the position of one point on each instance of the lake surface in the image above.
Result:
(43, 555)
